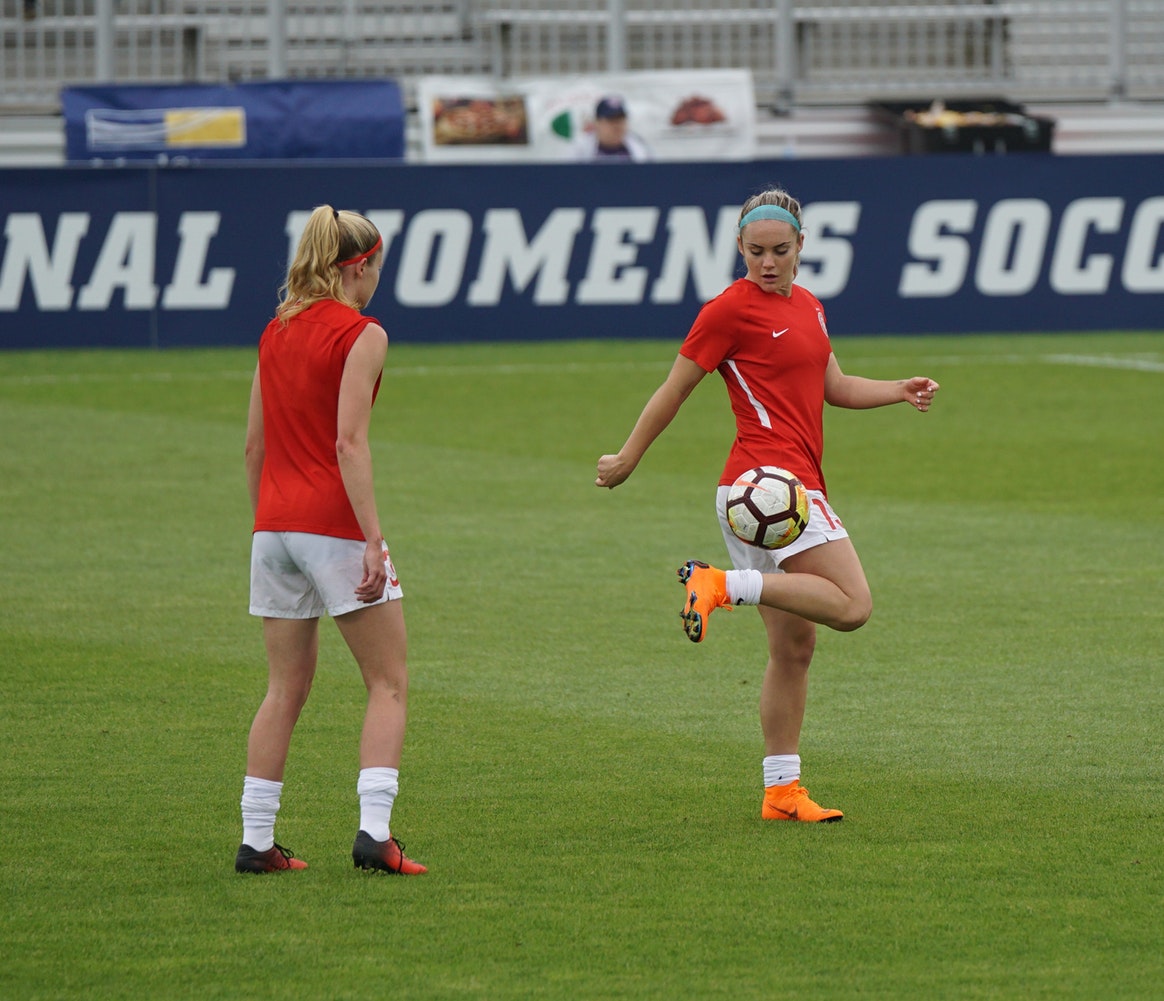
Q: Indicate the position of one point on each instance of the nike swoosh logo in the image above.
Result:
(794, 815)
(777, 333)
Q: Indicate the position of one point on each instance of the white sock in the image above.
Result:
(260, 805)
(744, 586)
(780, 769)
(377, 788)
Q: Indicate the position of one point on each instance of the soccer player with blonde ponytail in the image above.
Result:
(318, 547)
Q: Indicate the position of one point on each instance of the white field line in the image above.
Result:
(1138, 363)
(76, 378)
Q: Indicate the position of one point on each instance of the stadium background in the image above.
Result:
(1040, 242)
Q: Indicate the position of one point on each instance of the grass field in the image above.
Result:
(583, 782)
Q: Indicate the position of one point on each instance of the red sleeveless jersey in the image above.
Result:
(772, 352)
(300, 367)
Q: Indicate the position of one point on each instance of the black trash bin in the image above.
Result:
(982, 126)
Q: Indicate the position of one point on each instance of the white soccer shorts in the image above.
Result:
(296, 575)
(823, 526)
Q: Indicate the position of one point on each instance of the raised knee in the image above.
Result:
(856, 614)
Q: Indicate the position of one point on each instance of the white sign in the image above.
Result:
(690, 115)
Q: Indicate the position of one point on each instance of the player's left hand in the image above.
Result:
(919, 392)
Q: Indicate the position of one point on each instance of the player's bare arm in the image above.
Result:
(853, 392)
(660, 410)
(255, 450)
(354, 414)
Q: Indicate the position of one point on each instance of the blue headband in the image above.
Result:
(770, 212)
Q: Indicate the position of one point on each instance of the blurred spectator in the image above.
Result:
(611, 139)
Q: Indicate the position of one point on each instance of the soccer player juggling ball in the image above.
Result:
(317, 546)
(767, 338)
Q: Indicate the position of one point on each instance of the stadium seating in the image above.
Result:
(1096, 66)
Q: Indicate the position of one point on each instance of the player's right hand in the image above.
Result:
(371, 587)
(611, 471)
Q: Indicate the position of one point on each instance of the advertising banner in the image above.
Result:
(264, 120)
(690, 115)
(141, 256)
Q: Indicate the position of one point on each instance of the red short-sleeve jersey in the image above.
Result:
(772, 352)
(301, 364)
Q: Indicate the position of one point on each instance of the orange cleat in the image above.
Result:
(706, 591)
(792, 802)
(385, 856)
(276, 859)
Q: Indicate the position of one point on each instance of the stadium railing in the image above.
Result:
(827, 52)
(815, 65)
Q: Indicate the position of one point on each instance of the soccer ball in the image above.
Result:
(767, 507)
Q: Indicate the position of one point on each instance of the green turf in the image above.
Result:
(582, 781)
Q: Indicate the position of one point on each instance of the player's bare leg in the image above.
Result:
(377, 637)
(784, 692)
(828, 584)
(791, 641)
(292, 651)
(825, 584)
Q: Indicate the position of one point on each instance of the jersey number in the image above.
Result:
(824, 510)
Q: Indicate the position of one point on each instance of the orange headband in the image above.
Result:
(362, 257)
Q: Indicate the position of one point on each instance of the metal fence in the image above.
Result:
(820, 52)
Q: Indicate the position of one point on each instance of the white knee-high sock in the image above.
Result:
(780, 769)
(744, 586)
(260, 805)
(377, 788)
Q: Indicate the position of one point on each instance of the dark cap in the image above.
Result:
(610, 107)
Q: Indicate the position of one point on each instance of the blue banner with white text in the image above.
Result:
(145, 256)
(251, 120)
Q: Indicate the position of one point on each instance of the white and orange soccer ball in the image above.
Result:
(767, 507)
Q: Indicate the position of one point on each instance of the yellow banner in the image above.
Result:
(206, 126)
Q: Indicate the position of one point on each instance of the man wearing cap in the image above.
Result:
(611, 140)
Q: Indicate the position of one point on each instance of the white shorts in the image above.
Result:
(295, 575)
(823, 526)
